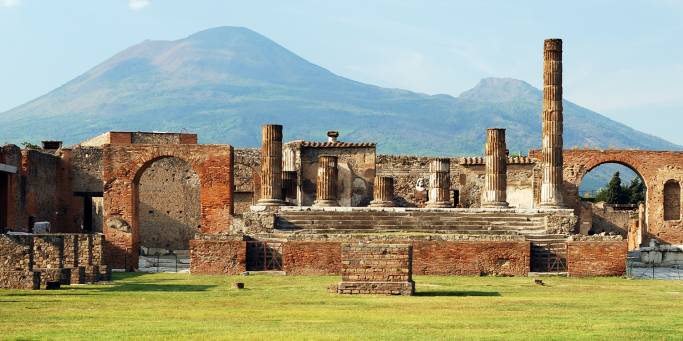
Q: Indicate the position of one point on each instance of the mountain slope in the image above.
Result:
(223, 83)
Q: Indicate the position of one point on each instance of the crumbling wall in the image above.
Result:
(16, 252)
(355, 173)
(311, 257)
(467, 178)
(610, 221)
(376, 269)
(247, 178)
(218, 257)
(86, 170)
(168, 208)
(471, 258)
(596, 258)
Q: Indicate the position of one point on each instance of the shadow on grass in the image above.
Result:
(456, 293)
(132, 287)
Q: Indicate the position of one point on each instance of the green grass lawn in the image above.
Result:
(175, 306)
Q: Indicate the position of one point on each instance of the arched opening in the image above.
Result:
(168, 206)
(613, 197)
(672, 200)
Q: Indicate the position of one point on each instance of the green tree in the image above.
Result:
(636, 191)
(615, 193)
(29, 145)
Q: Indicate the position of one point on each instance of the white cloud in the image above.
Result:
(10, 3)
(133, 4)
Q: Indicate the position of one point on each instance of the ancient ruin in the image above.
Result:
(311, 207)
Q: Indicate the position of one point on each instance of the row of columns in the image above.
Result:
(495, 153)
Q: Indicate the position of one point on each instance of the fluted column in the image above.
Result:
(383, 192)
(551, 148)
(271, 165)
(495, 156)
(326, 186)
(439, 183)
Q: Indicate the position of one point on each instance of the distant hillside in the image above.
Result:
(223, 83)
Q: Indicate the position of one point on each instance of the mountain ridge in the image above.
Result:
(223, 83)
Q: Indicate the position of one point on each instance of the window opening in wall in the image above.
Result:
(672, 200)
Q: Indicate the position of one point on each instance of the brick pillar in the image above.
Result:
(439, 183)
(495, 155)
(271, 165)
(551, 148)
(383, 192)
(326, 186)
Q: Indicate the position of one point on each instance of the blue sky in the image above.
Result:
(622, 58)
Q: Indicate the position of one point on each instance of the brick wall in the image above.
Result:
(311, 258)
(370, 268)
(227, 257)
(471, 258)
(596, 258)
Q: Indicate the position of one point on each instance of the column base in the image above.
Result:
(438, 204)
(500, 204)
(270, 202)
(379, 203)
(326, 203)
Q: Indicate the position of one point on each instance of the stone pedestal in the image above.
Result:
(326, 186)
(439, 183)
(551, 147)
(376, 269)
(271, 166)
(495, 158)
(383, 192)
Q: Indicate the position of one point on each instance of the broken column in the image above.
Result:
(439, 183)
(383, 192)
(326, 186)
(495, 157)
(551, 149)
(271, 165)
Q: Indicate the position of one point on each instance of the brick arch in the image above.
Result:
(654, 167)
(123, 165)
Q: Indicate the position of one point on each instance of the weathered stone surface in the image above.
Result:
(471, 258)
(311, 258)
(19, 279)
(596, 258)
(383, 193)
(16, 252)
(326, 185)
(495, 154)
(552, 125)
(228, 257)
(271, 165)
(368, 268)
(439, 183)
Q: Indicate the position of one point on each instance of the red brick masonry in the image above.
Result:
(218, 257)
(596, 258)
(471, 258)
(311, 258)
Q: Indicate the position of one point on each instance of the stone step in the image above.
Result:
(363, 231)
(410, 228)
(403, 217)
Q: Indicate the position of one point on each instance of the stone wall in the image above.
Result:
(16, 252)
(355, 172)
(48, 251)
(10, 214)
(376, 269)
(596, 258)
(311, 258)
(123, 165)
(218, 257)
(86, 170)
(247, 178)
(608, 220)
(168, 210)
(471, 258)
(20, 279)
(467, 178)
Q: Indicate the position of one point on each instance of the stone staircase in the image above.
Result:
(444, 221)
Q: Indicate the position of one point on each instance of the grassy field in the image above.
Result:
(175, 306)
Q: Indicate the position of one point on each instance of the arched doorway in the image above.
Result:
(168, 205)
(612, 201)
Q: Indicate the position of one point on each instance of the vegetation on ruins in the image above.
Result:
(183, 306)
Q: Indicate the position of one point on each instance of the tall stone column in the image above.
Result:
(271, 165)
(439, 183)
(551, 148)
(495, 156)
(326, 186)
(383, 192)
